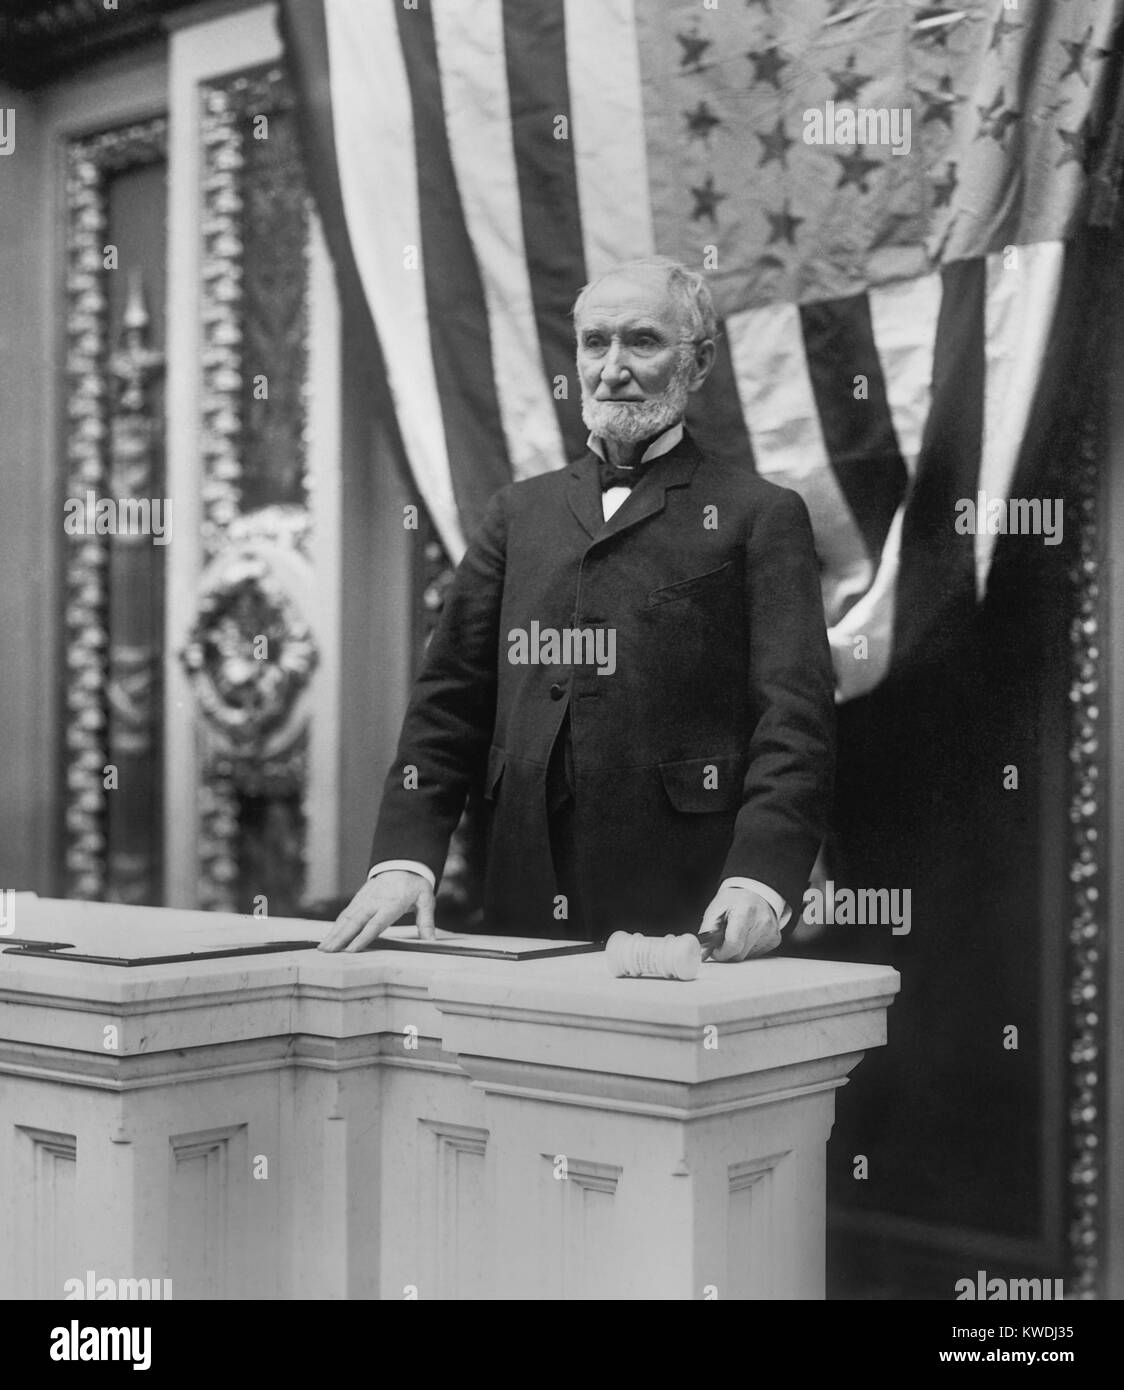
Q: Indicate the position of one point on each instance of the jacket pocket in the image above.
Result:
(705, 784)
(688, 588)
(497, 758)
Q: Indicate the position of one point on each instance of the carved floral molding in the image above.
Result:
(94, 455)
(251, 649)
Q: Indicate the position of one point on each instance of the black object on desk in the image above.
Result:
(61, 950)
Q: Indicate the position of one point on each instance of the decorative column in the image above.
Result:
(99, 447)
(136, 629)
(1087, 1002)
(251, 649)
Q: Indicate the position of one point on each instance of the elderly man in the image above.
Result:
(632, 663)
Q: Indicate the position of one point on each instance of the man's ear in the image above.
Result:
(704, 360)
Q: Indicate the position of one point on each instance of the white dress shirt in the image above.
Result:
(611, 499)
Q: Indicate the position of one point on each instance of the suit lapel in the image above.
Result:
(583, 493)
(648, 497)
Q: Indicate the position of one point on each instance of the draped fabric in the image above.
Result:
(883, 196)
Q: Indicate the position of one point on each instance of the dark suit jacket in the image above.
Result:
(710, 750)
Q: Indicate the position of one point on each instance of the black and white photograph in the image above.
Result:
(560, 687)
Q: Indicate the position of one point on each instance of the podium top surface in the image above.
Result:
(574, 982)
(112, 933)
(568, 1010)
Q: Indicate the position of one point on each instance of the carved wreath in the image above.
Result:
(249, 653)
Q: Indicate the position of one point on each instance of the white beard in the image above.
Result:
(628, 423)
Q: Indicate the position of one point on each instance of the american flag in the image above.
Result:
(885, 313)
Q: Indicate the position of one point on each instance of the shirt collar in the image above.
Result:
(662, 444)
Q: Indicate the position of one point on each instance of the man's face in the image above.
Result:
(635, 358)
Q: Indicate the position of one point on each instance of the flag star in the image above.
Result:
(701, 121)
(940, 105)
(847, 81)
(996, 119)
(707, 199)
(693, 49)
(1076, 144)
(856, 168)
(783, 225)
(775, 144)
(1003, 27)
(1078, 53)
(943, 191)
(768, 65)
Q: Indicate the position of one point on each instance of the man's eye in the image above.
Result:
(593, 342)
(646, 341)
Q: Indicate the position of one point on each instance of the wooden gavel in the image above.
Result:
(661, 957)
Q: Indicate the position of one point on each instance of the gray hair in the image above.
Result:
(687, 289)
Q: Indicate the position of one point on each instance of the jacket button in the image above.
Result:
(557, 691)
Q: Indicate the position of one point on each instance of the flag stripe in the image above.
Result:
(778, 403)
(904, 321)
(607, 130)
(936, 560)
(470, 54)
(846, 377)
(859, 668)
(1019, 311)
(535, 48)
(462, 352)
(378, 185)
(714, 414)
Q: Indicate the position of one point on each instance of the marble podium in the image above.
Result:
(401, 1125)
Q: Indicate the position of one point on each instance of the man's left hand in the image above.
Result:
(751, 924)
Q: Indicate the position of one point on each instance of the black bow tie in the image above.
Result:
(611, 476)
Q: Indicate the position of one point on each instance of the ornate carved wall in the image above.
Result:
(1086, 1061)
(113, 580)
(251, 650)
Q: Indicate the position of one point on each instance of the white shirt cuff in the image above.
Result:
(771, 896)
(411, 864)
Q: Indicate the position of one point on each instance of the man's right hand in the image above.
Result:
(378, 905)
